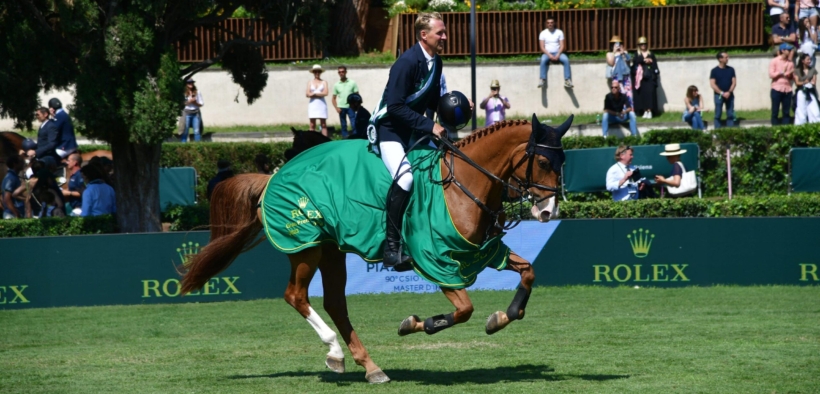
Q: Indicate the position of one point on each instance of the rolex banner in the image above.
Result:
(140, 268)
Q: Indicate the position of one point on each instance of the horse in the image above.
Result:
(473, 173)
(304, 140)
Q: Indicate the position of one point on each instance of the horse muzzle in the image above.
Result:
(545, 210)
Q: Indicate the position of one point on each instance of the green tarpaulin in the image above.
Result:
(804, 169)
(177, 186)
(336, 192)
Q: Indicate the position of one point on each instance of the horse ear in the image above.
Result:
(564, 127)
(535, 119)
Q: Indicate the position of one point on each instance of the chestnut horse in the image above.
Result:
(528, 152)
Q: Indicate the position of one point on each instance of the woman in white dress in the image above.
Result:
(316, 91)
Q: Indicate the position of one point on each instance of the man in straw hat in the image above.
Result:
(412, 88)
(495, 105)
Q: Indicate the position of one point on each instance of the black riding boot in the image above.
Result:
(397, 201)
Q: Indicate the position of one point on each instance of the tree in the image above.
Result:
(120, 59)
(349, 27)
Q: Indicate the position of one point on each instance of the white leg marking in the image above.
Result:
(327, 335)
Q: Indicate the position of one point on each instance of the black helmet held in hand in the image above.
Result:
(354, 98)
(454, 110)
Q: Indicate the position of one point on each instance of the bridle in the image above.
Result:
(555, 154)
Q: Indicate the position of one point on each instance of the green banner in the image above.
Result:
(585, 169)
(127, 269)
(804, 169)
(682, 252)
(177, 186)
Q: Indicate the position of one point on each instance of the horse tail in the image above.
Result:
(235, 229)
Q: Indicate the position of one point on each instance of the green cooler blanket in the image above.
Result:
(337, 191)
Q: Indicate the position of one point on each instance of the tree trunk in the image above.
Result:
(348, 27)
(136, 170)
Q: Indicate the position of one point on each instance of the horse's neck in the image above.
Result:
(494, 152)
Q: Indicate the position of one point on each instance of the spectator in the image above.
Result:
(191, 112)
(672, 152)
(317, 107)
(76, 184)
(48, 137)
(723, 82)
(68, 141)
(495, 104)
(622, 177)
(362, 116)
(694, 108)
(777, 8)
(646, 79)
(552, 44)
(617, 62)
(98, 198)
(106, 168)
(344, 88)
(784, 33)
(808, 38)
(807, 9)
(47, 194)
(263, 164)
(11, 198)
(805, 77)
(618, 110)
(223, 172)
(781, 71)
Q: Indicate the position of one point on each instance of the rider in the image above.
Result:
(412, 88)
(68, 141)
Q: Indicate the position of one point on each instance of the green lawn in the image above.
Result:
(574, 339)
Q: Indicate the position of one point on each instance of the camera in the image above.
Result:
(636, 175)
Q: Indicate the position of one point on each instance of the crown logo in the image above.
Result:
(641, 241)
(303, 202)
(187, 251)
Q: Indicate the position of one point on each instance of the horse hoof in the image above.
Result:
(494, 323)
(408, 325)
(376, 377)
(335, 364)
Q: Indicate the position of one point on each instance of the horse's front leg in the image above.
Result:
(434, 324)
(334, 279)
(498, 320)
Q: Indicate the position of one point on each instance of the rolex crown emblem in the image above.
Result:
(641, 241)
(303, 202)
(187, 251)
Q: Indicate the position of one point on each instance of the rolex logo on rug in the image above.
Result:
(303, 202)
(641, 241)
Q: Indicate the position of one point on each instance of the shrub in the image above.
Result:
(44, 227)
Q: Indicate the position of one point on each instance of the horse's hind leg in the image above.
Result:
(434, 324)
(302, 267)
(334, 279)
(498, 320)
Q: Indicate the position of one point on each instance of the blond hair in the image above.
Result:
(621, 149)
(423, 22)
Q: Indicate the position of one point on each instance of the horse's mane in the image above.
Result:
(476, 135)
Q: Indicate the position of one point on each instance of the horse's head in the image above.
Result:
(538, 169)
(304, 140)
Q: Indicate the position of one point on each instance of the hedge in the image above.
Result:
(759, 156)
(50, 226)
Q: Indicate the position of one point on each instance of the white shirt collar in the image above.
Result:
(426, 56)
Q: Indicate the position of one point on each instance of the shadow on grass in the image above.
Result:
(527, 372)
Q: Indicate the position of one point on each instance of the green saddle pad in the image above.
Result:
(336, 192)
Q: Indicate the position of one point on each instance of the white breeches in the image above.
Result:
(806, 111)
(394, 159)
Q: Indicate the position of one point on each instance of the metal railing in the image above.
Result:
(589, 30)
(293, 45)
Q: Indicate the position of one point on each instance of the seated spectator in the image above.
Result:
(805, 78)
(223, 172)
(76, 184)
(362, 115)
(106, 167)
(622, 178)
(11, 199)
(673, 153)
(99, 197)
(777, 8)
(694, 108)
(781, 71)
(552, 44)
(495, 105)
(617, 110)
(784, 33)
(263, 164)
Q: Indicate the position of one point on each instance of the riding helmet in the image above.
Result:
(55, 103)
(29, 144)
(354, 98)
(454, 110)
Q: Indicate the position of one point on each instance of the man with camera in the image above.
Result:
(623, 179)
(495, 104)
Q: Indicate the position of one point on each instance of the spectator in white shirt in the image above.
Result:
(619, 179)
(552, 44)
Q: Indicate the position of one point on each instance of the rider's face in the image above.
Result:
(436, 36)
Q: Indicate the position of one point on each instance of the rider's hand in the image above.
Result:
(438, 130)
(472, 107)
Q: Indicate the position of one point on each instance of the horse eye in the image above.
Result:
(543, 164)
